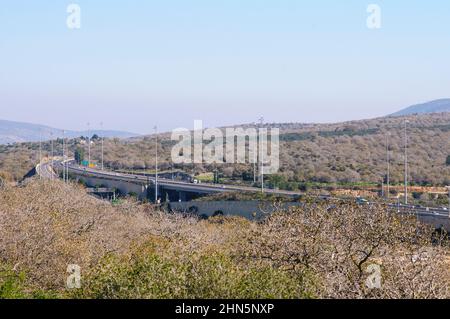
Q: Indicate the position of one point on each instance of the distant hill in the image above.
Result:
(436, 106)
(17, 132)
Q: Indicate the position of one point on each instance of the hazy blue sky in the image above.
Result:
(134, 64)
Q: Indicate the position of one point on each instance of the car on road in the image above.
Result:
(362, 201)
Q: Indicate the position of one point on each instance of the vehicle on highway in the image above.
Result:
(362, 201)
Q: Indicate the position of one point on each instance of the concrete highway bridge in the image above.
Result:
(180, 191)
(144, 186)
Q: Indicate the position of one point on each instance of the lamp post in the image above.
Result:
(406, 164)
(64, 156)
(101, 128)
(40, 150)
(89, 145)
(156, 164)
(261, 120)
(255, 156)
(388, 162)
(51, 142)
(448, 188)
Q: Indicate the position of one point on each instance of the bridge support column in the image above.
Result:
(182, 196)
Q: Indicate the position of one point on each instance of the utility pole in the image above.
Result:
(156, 164)
(261, 119)
(388, 161)
(101, 127)
(406, 165)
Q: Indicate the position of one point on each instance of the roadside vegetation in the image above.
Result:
(131, 250)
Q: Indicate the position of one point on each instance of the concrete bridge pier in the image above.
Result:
(181, 196)
(168, 194)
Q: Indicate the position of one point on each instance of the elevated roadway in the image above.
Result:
(144, 186)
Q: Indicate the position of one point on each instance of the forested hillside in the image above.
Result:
(344, 152)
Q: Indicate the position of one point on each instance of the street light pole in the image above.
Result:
(101, 127)
(406, 165)
(156, 164)
(448, 187)
(255, 157)
(51, 138)
(64, 156)
(40, 150)
(67, 164)
(262, 156)
(388, 166)
(89, 145)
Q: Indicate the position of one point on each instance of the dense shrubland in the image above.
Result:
(130, 250)
(17, 160)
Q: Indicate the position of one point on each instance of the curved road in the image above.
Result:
(45, 170)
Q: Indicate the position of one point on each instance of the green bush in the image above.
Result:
(150, 274)
(14, 285)
(11, 284)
